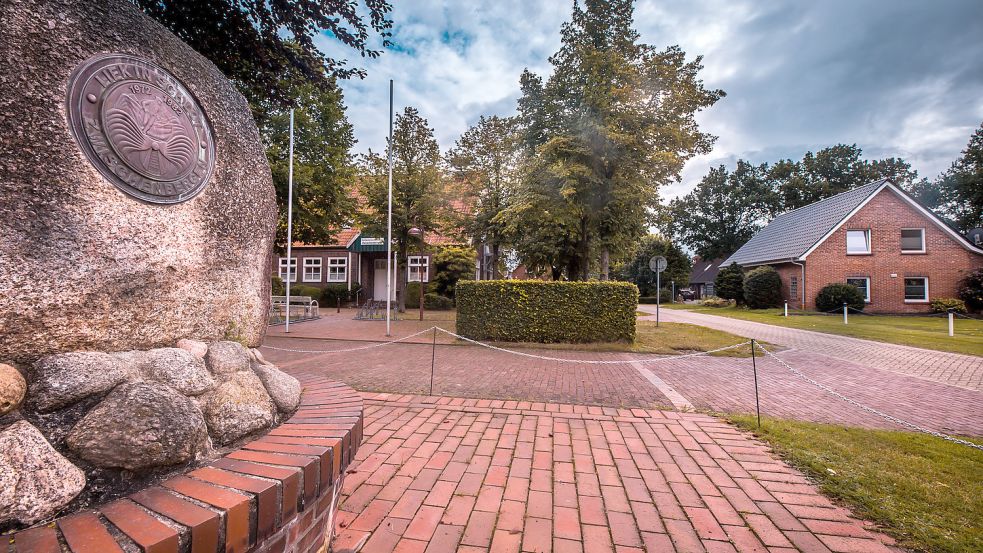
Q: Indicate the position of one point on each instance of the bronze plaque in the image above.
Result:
(141, 128)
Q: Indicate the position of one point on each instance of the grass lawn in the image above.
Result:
(923, 332)
(925, 492)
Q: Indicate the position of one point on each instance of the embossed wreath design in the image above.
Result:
(150, 137)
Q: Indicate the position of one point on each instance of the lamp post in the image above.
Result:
(418, 232)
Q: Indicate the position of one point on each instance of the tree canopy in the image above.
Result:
(268, 48)
(636, 269)
(958, 193)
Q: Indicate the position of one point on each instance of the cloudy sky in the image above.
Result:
(897, 77)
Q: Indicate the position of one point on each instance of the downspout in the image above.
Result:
(803, 265)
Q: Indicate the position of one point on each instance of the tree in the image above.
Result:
(417, 198)
(323, 139)
(613, 123)
(452, 264)
(678, 265)
(724, 210)
(763, 288)
(267, 48)
(729, 283)
(957, 194)
(485, 159)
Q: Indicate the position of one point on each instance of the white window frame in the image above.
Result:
(337, 269)
(312, 263)
(293, 269)
(413, 264)
(866, 288)
(904, 287)
(922, 250)
(867, 238)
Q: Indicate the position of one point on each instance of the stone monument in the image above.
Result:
(137, 216)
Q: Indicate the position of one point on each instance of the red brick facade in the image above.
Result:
(944, 263)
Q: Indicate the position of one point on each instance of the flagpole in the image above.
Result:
(290, 214)
(389, 220)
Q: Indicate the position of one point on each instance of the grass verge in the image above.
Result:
(924, 491)
(917, 331)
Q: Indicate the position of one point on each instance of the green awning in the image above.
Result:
(368, 244)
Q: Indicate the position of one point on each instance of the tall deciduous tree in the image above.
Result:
(636, 269)
(268, 48)
(486, 161)
(958, 193)
(613, 123)
(417, 198)
(323, 169)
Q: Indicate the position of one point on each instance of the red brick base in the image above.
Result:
(275, 494)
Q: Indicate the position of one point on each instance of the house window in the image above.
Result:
(862, 284)
(293, 269)
(312, 269)
(418, 264)
(858, 242)
(709, 289)
(915, 289)
(793, 287)
(337, 269)
(912, 240)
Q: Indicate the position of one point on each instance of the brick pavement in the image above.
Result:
(449, 474)
(948, 368)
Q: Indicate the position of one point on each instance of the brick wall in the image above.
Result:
(276, 494)
(945, 262)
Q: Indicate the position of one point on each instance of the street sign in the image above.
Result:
(657, 264)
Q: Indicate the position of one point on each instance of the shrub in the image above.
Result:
(450, 265)
(547, 312)
(943, 305)
(665, 296)
(277, 288)
(437, 302)
(834, 295)
(413, 294)
(971, 290)
(729, 283)
(331, 293)
(763, 288)
(714, 301)
(304, 290)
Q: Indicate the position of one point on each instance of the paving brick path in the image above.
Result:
(719, 384)
(448, 474)
(948, 368)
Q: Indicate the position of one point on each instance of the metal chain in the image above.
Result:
(871, 410)
(377, 345)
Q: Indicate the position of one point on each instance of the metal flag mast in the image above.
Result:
(290, 214)
(389, 220)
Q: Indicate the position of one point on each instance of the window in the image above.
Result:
(915, 289)
(293, 269)
(338, 269)
(912, 240)
(419, 264)
(793, 287)
(709, 289)
(312, 269)
(862, 284)
(857, 242)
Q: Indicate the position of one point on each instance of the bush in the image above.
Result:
(943, 305)
(304, 290)
(277, 288)
(437, 302)
(834, 295)
(729, 283)
(547, 312)
(763, 288)
(714, 301)
(331, 293)
(413, 294)
(971, 290)
(450, 265)
(665, 296)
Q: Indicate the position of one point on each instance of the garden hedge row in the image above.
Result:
(546, 312)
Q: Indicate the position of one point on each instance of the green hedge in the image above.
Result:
(546, 312)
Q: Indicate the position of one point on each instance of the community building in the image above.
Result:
(876, 237)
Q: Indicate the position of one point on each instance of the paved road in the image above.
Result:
(948, 368)
(477, 476)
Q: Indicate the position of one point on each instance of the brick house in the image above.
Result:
(876, 237)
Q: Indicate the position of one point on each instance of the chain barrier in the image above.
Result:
(885, 416)
(360, 348)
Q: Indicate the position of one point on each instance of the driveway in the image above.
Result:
(954, 369)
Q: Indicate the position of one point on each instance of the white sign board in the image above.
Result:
(657, 264)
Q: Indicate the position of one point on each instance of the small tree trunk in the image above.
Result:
(401, 278)
(494, 262)
(605, 264)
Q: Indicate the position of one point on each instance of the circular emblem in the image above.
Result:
(141, 128)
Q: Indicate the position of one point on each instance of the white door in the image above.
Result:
(379, 281)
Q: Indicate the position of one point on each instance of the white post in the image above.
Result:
(786, 309)
(290, 215)
(389, 219)
(844, 314)
(951, 317)
(673, 298)
(658, 295)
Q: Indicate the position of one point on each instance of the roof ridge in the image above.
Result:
(871, 183)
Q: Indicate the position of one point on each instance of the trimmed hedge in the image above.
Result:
(665, 296)
(546, 312)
